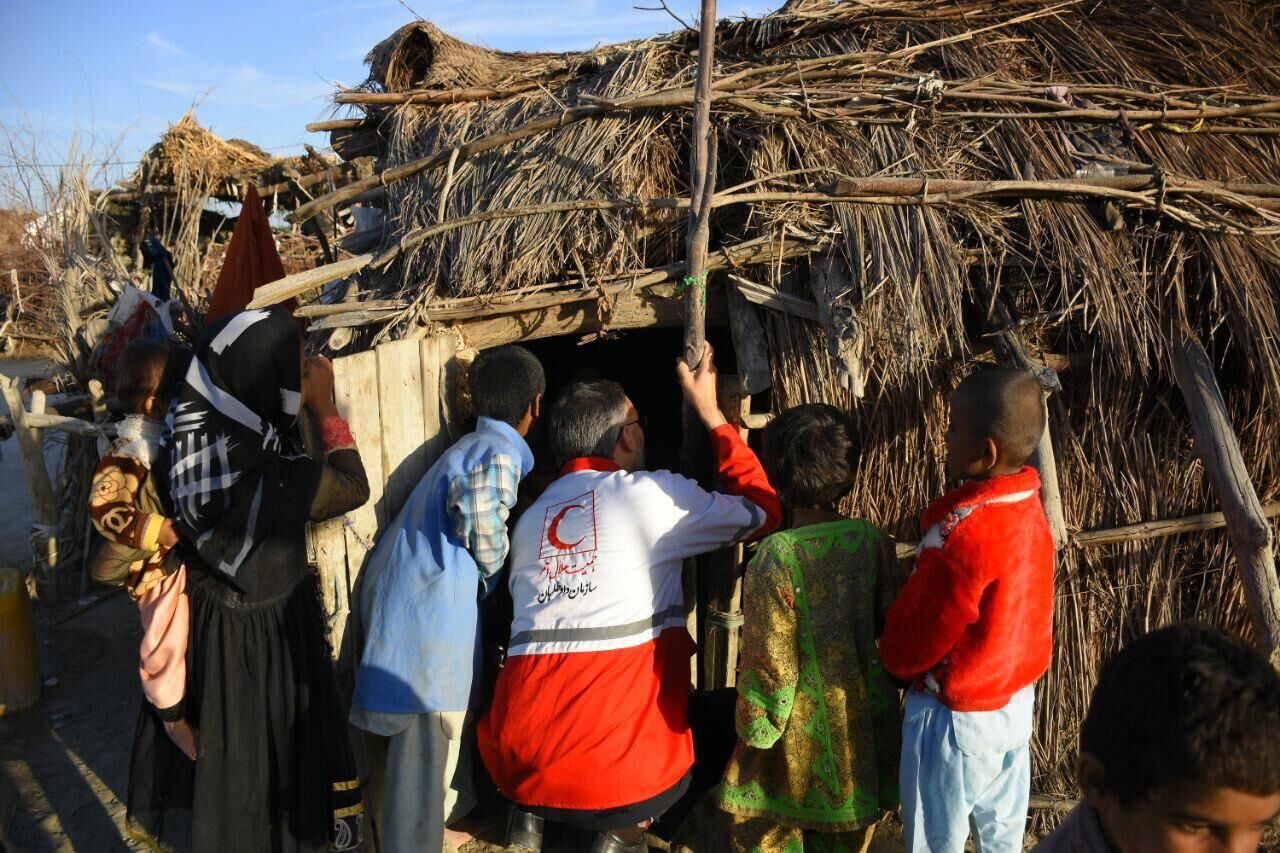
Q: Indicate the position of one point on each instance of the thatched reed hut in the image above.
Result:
(905, 187)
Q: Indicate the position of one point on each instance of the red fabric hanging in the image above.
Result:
(251, 261)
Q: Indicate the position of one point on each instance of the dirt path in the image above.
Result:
(64, 763)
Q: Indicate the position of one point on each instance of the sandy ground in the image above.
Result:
(64, 761)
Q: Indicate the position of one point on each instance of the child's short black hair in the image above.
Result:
(810, 454)
(1187, 703)
(1006, 405)
(147, 368)
(504, 383)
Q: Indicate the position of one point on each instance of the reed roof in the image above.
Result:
(926, 89)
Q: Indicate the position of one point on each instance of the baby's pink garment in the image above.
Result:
(166, 619)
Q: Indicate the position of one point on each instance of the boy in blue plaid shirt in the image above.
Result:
(420, 608)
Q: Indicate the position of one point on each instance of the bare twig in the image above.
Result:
(663, 7)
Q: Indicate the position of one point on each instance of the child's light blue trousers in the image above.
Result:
(964, 772)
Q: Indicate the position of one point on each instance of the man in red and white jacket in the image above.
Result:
(588, 720)
(972, 627)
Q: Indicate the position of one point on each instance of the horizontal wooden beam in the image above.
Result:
(350, 319)
(301, 282)
(429, 98)
(331, 308)
(61, 423)
(746, 253)
(1157, 529)
(657, 306)
(1131, 532)
(341, 124)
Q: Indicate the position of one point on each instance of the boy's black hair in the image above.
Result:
(810, 455)
(504, 383)
(1006, 405)
(1188, 703)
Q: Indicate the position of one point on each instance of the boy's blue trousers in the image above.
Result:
(965, 772)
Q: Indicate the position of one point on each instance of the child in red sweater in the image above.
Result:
(972, 628)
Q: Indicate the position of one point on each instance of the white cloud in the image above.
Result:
(170, 86)
(163, 45)
(239, 86)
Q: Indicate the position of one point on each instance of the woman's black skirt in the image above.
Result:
(275, 770)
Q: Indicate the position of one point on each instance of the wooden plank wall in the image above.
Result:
(396, 399)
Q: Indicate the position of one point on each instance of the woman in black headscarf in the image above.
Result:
(274, 770)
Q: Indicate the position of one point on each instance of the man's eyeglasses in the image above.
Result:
(640, 419)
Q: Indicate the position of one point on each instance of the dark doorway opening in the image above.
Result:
(643, 362)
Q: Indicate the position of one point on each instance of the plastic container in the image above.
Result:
(19, 666)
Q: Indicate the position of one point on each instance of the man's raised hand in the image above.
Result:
(699, 386)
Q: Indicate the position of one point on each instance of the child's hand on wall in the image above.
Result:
(317, 386)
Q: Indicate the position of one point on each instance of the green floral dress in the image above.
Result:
(819, 722)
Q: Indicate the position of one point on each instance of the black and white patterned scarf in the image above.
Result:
(230, 456)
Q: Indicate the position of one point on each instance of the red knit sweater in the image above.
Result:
(974, 623)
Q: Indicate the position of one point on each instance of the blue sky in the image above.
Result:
(120, 72)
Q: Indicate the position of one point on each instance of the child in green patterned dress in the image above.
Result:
(818, 721)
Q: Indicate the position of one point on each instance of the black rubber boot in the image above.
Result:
(524, 830)
(607, 842)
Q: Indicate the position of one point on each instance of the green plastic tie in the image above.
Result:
(699, 281)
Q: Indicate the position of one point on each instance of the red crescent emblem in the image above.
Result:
(556, 541)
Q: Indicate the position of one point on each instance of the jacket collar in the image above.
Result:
(588, 463)
(515, 439)
(981, 491)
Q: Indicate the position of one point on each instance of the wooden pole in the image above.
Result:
(47, 536)
(1247, 524)
(719, 624)
(702, 180)
(1010, 350)
(45, 541)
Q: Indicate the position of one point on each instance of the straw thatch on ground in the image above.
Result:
(1097, 177)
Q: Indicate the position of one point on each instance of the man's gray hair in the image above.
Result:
(587, 419)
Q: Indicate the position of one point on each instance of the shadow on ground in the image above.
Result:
(64, 762)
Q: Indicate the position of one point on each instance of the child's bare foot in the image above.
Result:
(184, 737)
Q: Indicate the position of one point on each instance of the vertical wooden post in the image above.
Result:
(702, 180)
(46, 505)
(1247, 525)
(1044, 461)
(1011, 351)
(702, 171)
